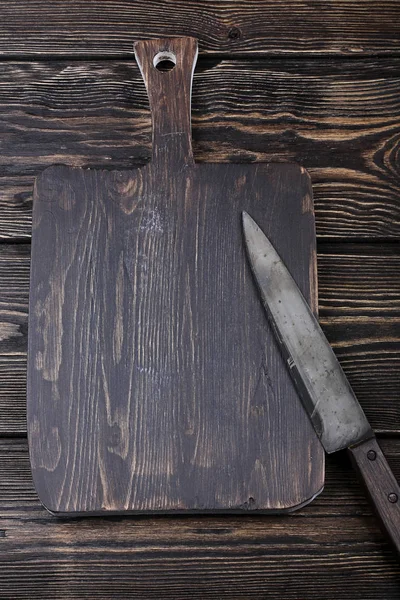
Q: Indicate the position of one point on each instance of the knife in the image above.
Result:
(331, 404)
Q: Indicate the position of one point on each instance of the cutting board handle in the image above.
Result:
(167, 67)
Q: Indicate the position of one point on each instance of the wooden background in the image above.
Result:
(312, 81)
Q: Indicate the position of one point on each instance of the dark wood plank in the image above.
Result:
(12, 395)
(370, 358)
(332, 548)
(181, 560)
(265, 27)
(359, 308)
(343, 494)
(14, 296)
(364, 286)
(358, 298)
(340, 119)
(15, 205)
(147, 339)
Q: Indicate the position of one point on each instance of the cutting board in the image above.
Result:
(154, 381)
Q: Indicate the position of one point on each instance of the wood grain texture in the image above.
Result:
(364, 286)
(14, 294)
(343, 494)
(148, 346)
(12, 395)
(340, 119)
(330, 548)
(359, 307)
(266, 27)
(192, 559)
(370, 360)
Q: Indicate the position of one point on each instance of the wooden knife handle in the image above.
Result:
(167, 67)
(381, 485)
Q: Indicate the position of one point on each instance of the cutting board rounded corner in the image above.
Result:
(47, 506)
(295, 507)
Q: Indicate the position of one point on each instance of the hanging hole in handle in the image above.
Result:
(164, 61)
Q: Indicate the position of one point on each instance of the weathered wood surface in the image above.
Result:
(147, 337)
(359, 307)
(340, 119)
(106, 27)
(343, 495)
(330, 548)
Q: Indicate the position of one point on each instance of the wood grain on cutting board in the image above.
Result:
(154, 382)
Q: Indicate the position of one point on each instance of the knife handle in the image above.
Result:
(382, 487)
(167, 67)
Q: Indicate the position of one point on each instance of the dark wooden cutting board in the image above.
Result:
(154, 381)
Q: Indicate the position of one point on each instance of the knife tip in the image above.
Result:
(247, 222)
(245, 218)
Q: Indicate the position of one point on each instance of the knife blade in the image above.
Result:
(323, 388)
